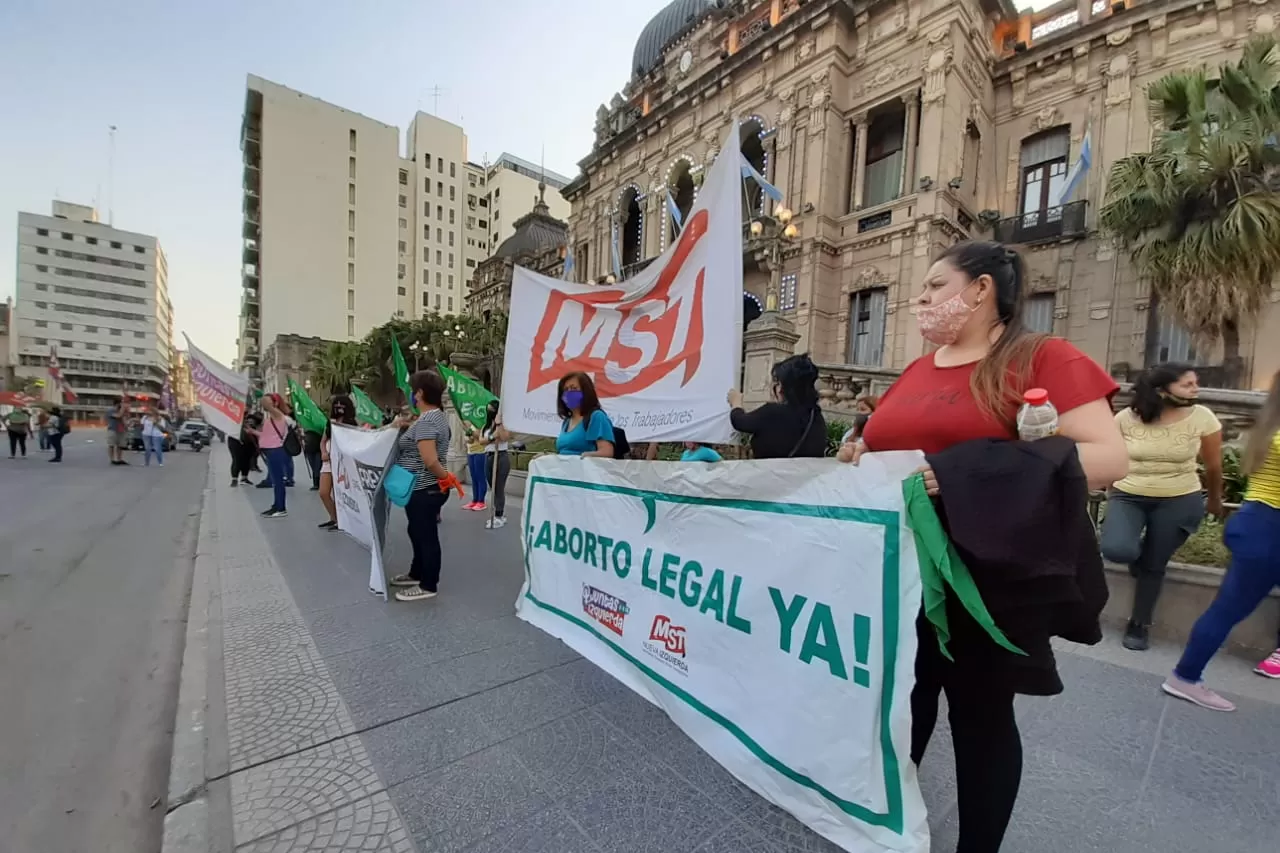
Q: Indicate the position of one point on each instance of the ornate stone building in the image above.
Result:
(539, 244)
(895, 128)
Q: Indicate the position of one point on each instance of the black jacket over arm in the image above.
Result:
(1017, 513)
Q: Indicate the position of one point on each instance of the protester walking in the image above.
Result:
(343, 411)
(1153, 510)
(423, 446)
(1253, 537)
(792, 425)
(272, 438)
(497, 466)
(116, 426)
(153, 437)
(476, 468)
(965, 395)
(585, 429)
(18, 426)
(56, 429)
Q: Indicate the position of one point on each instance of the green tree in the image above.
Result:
(1200, 212)
(337, 365)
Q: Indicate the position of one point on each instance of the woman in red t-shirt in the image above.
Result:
(971, 388)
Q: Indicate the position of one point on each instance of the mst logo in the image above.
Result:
(627, 345)
(666, 643)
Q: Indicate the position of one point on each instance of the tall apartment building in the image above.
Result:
(335, 216)
(99, 297)
(511, 191)
(320, 191)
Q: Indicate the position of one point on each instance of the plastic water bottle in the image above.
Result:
(1037, 418)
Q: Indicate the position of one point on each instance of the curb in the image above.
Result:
(186, 821)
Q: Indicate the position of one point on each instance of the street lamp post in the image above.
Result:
(776, 242)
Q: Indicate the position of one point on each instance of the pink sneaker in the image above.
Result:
(1197, 694)
(1270, 667)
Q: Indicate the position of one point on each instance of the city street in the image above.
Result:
(95, 567)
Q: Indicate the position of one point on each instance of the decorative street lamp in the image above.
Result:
(777, 241)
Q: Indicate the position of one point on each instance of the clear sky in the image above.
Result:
(518, 75)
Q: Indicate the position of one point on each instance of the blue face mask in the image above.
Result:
(572, 399)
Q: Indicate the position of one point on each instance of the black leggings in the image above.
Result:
(17, 440)
(242, 454)
(984, 734)
(423, 513)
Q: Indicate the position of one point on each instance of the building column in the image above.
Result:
(911, 101)
(860, 160)
(767, 341)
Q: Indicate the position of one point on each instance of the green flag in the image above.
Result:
(367, 411)
(469, 397)
(305, 410)
(402, 374)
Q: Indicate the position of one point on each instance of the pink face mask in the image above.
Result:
(941, 324)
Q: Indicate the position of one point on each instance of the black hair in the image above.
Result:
(1147, 401)
(429, 384)
(341, 409)
(1000, 379)
(797, 379)
(490, 415)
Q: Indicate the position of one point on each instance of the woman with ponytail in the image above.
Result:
(970, 389)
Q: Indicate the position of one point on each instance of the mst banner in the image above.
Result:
(778, 631)
(663, 347)
(359, 459)
(220, 390)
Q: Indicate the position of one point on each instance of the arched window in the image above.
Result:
(682, 189)
(752, 147)
(631, 226)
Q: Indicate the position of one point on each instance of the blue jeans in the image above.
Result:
(479, 478)
(153, 444)
(1253, 537)
(277, 458)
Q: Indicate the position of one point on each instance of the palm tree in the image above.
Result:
(336, 366)
(1201, 211)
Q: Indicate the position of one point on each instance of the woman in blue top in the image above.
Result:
(585, 429)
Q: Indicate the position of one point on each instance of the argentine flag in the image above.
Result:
(617, 256)
(568, 265)
(749, 171)
(674, 210)
(1075, 177)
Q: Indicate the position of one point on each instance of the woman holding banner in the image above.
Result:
(585, 430)
(342, 410)
(968, 392)
(423, 447)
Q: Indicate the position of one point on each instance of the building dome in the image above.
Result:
(678, 18)
(536, 231)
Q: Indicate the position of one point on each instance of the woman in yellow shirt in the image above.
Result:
(1153, 510)
(1253, 537)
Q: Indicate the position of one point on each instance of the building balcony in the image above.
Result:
(252, 205)
(250, 253)
(635, 267)
(1044, 226)
(251, 229)
(252, 178)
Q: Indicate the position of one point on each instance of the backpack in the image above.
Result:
(64, 425)
(621, 447)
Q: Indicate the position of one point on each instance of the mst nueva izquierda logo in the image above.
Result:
(666, 643)
(637, 341)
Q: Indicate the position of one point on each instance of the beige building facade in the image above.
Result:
(98, 297)
(895, 129)
(514, 187)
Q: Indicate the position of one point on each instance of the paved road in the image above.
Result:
(95, 569)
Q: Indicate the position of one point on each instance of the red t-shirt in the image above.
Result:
(931, 408)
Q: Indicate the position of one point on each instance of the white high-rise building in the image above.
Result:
(336, 215)
(98, 297)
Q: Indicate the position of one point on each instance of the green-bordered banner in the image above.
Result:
(768, 609)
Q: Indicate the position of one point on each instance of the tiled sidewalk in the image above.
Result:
(451, 725)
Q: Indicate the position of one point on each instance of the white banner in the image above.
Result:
(359, 459)
(663, 347)
(221, 392)
(768, 608)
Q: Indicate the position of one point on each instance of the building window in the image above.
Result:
(426, 160)
(439, 213)
(471, 222)
(93, 330)
(497, 214)
(402, 247)
(116, 245)
(866, 326)
(437, 302)
(137, 351)
(351, 273)
(483, 223)
(1044, 175)
(440, 189)
(1168, 340)
(400, 291)
(426, 208)
(351, 193)
(450, 304)
(1037, 313)
(453, 170)
(787, 298)
(137, 334)
(41, 341)
(484, 202)
(351, 137)
(41, 268)
(404, 178)
(404, 223)
(450, 238)
(497, 191)
(66, 236)
(115, 349)
(426, 301)
(451, 282)
(426, 277)
(41, 250)
(91, 346)
(42, 232)
(42, 324)
(66, 327)
(437, 279)
(439, 256)
(453, 194)
(440, 167)
(351, 220)
(451, 212)
(451, 260)
(115, 333)
(351, 300)
(92, 241)
(351, 168)
(884, 157)
(141, 250)
(471, 263)
(404, 202)
(351, 247)
(351, 327)
(439, 235)
(400, 271)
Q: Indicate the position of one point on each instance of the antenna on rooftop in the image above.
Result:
(111, 174)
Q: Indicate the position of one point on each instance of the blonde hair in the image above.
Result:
(1264, 429)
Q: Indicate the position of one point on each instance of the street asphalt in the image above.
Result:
(451, 725)
(95, 567)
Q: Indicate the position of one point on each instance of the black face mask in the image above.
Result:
(1178, 402)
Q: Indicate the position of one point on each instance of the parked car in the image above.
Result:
(193, 427)
(133, 438)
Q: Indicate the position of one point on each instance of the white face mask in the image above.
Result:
(941, 324)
